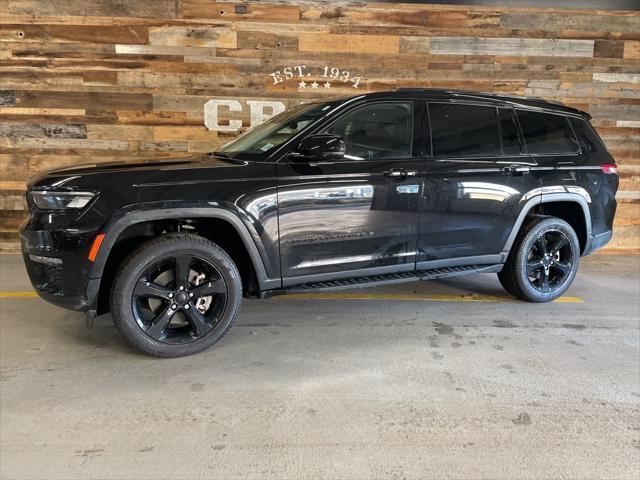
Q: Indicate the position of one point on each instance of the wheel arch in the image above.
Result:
(118, 234)
(578, 216)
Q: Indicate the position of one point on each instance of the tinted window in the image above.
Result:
(510, 140)
(589, 140)
(377, 131)
(464, 130)
(258, 142)
(546, 133)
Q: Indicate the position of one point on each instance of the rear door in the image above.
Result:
(476, 182)
(359, 215)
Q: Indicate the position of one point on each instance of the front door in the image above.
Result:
(358, 215)
(476, 183)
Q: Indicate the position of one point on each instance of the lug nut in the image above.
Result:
(173, 306)
(171, 295)
(181, 288)
(190, 295)
(186, 307)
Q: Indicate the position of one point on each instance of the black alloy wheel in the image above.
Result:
(549, 262)
(179, 299)
(176, 295)
(543, 261)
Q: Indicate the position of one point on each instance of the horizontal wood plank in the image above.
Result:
(512, 46)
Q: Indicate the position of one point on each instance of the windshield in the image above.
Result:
(258, 142)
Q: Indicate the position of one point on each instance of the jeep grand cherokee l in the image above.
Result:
(377, 188)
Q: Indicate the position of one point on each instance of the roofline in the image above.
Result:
(510, 99)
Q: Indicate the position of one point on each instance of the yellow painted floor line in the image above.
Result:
(10, 294)
(471, 297)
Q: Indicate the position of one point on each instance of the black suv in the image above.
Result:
(377, 188)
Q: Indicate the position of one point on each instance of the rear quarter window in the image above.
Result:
(589, 139)
(546, 133)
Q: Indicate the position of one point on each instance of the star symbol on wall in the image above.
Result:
(302, 84)
(327, 84)
(314, 84)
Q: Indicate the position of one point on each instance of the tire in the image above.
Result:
(543, 261)
(176, 295)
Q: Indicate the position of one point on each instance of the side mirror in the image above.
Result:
(319, 147)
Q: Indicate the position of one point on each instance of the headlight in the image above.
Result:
(61, 200)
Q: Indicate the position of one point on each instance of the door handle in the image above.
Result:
(400, 173)
(517, 169)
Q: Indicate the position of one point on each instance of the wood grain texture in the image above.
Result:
(91, 81)
(512, 46)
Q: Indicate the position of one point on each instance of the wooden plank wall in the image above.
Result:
(97, 80)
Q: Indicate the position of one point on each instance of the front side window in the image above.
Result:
(258, 142)
(376, 132)
(546, 133)
(464, 130)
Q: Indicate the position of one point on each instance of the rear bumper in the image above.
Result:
(599, 241)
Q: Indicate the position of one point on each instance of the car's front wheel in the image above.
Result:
(176, 295)
(543, 262)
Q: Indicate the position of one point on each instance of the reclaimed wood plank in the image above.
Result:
(171, 36)
(59, 143)
(42, 111)
(108, 8)
(7, 98)
(253, 12)
(584, 22)
(609, 49)
(415, 44)
(80, 33)
(175, 50)
(164, 133)
(631, 49)
(71, 99)
(116, 132)
(267, 40)
(328, 42)
(32, 130)
(617, 77)
(512, 46)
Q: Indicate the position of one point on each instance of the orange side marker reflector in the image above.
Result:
(93, 253)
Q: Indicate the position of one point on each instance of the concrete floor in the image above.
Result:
(334, 388)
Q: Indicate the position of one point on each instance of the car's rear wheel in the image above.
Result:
(543, 262)
(176, 295)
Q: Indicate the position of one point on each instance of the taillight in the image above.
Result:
(609, 168)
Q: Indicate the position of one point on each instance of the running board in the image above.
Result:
(391, 278)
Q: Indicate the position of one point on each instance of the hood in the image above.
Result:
(138, 169)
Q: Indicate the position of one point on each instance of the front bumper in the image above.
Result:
(57, 265)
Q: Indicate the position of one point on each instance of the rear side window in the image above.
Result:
(589, 140)
(464, 130)
(545, 133)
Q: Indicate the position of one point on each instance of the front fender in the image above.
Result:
(151, 212)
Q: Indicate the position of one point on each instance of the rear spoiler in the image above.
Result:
(586, 115)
